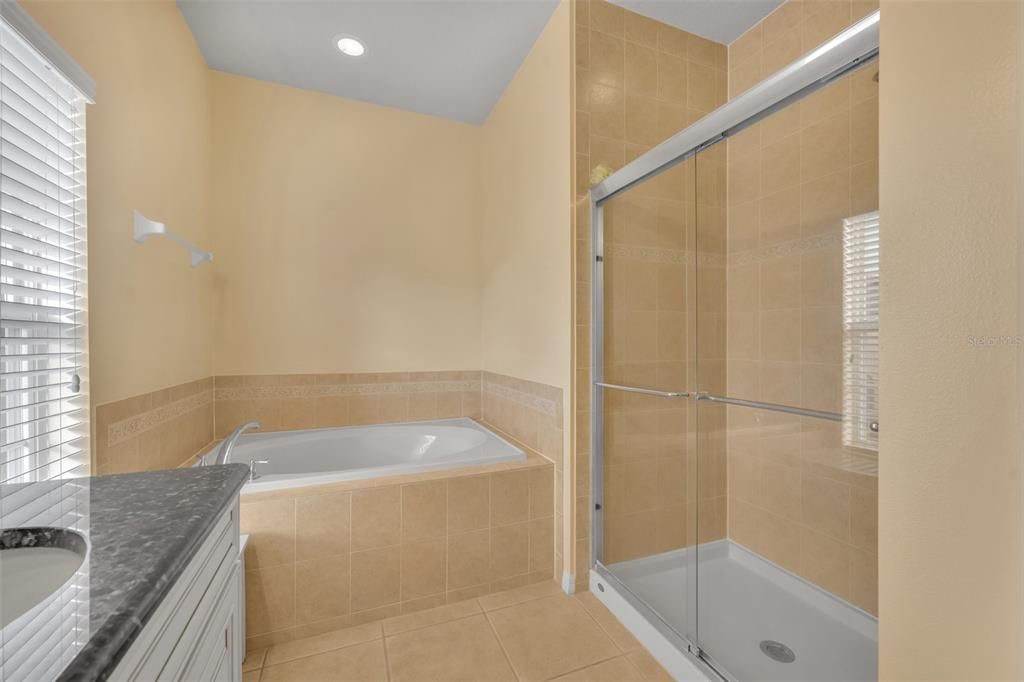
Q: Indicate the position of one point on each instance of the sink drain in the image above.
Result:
(777, 651)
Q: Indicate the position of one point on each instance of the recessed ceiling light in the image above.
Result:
(351, 46)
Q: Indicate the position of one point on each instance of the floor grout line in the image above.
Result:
(589, 665)
(501, 645)
(387, 660)
(430, 625)
(380, 629)
(601, 627)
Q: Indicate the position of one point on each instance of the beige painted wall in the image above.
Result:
(950, 491)
(525, 232)
(150, 314)
(346, 234)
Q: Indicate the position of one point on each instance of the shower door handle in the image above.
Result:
(644, 391)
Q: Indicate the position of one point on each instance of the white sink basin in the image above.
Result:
(28, 575)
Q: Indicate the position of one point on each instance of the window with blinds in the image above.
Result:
(860, 331)
(44, 404)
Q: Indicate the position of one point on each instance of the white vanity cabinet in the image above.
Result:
(196, 633)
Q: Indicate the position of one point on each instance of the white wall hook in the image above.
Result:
(144, 228)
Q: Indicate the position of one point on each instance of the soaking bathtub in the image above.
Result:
(318, 456)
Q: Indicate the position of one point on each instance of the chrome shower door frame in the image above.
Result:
(847, 51)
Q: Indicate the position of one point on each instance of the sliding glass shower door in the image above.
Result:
(647, 347)
(785, 553)
(735, 387)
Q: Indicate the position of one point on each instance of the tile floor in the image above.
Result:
(531, 633)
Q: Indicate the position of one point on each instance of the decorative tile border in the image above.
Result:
(120, 431)
(542, 405)
(340, 390)
(656, 254)
(794, 247)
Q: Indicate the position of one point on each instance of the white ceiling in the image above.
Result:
(722, 21)
(448, 58)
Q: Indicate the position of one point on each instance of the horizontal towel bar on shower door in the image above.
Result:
(773, 407)
(645, 391)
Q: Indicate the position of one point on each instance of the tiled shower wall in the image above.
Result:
(796, 495)
(768, 301)
(637, 82)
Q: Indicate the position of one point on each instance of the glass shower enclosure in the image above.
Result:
(734, 366)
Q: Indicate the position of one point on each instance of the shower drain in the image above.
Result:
(777, 651)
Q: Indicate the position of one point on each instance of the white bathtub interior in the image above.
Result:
(314, 456)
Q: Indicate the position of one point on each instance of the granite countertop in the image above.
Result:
(142, 530)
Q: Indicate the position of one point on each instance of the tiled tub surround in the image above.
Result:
(328, 557)
(285, 402)
(531, 413)
(167, 428)
(157, 430)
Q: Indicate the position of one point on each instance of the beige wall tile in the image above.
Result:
(864, 519)
(672, 41)
(781, 335)
(822, 334)
(541, 492)
(509, 551)
(468, 559)
(639, 29)
(269, 599)
(780, 283)
(542, 546)
(323, 525)
(271, 529)
(788, 16)
(468, 504)
(641, 70)
(423, 571)
(824, 562)
(641, 120)
(825, 146)
(321, 588)
(376, 518)
(826, 506)
(672, 83)
(863, 576)
(705, 87)
(607, 60)
(824, 202)
(778, 540)
(424, 510)
(607, 18)
(376, 578)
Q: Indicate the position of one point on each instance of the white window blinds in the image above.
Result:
(44, 405)
(860, 331)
